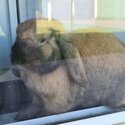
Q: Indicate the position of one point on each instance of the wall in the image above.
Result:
(120, 35)
(61, 9)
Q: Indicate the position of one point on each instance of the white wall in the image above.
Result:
(61, 9)
(84, 9)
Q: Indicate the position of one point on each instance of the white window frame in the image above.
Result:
(13, 18)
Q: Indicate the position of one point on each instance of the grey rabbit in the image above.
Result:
(66, 71)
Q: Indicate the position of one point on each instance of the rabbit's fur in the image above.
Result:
(57, 86)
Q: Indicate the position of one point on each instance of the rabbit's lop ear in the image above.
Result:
(74, 62)
(55, 33)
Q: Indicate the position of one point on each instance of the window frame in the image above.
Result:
(12, 5)
(93, 116)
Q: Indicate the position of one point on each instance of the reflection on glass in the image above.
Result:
(71, 56)
(93, 15)
(4, 50)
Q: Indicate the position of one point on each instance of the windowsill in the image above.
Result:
(99, 116)
(7, 76)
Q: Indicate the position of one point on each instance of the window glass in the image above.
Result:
(5, 38)
(69, 54)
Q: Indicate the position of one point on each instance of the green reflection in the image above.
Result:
(111, 9)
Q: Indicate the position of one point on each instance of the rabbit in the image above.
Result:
(69, 71)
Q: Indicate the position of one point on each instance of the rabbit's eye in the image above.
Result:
(43, 40)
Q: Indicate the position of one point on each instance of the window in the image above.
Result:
(86, 17)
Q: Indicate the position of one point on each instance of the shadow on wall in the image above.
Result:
(4, 50)
(120, 36)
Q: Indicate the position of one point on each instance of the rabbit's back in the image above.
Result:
(106, 76)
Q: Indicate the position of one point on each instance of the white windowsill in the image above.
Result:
(93, 116)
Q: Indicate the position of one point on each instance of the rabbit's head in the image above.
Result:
(35, 43)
